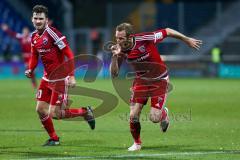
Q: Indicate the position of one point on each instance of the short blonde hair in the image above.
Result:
(127, 27)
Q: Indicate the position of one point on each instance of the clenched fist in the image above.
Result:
(28, 73)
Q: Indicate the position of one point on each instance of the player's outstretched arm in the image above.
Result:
(191, 42)
(117, 58)
(10, 32)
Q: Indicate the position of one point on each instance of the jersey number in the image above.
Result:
(39, 93)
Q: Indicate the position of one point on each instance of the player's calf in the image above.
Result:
(42, 108)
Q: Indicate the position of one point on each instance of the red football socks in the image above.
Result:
(48, 125)
(71, 113)
(135, 129)
(164, 114)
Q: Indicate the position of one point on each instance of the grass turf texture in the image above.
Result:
(204, 125)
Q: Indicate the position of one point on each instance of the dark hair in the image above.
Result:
(40, 9)
(127, 27)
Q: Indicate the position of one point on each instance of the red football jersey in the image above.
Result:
(48, 45)
(25, 42)
(144, 56)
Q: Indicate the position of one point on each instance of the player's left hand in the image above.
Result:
(194, 43)
(116, 50)
(72, 81)
(28, 73)
(4, 27)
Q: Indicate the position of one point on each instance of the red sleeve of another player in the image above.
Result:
(70, 63)
(34, 59)
(13, 34)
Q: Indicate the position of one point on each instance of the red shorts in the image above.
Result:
(144, 89)
(54, 93)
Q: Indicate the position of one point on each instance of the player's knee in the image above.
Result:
(155, 115)
(134, 117)
(41, 110)
(135, 112)
(154, 118)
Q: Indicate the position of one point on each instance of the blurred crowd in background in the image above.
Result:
(89, 25)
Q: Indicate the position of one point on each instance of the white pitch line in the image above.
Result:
(142, 155)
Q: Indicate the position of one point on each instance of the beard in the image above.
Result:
(40, 27)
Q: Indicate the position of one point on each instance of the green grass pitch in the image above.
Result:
(205, 124)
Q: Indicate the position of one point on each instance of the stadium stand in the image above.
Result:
(217, 30)
(9, 16)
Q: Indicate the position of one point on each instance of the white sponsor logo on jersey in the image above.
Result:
(158, 35)
(43, 50)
